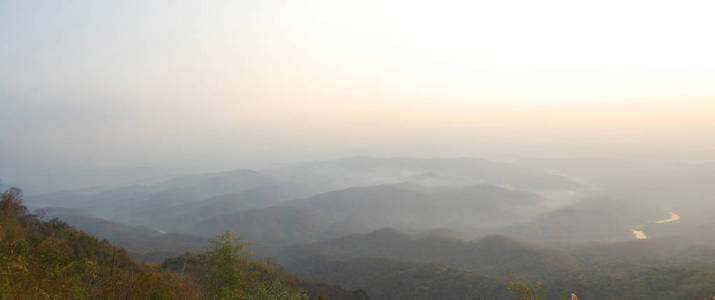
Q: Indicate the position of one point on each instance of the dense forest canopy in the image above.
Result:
(49, 259)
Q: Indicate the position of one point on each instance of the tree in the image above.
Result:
(524, 290)
(230, 275)
(226, 267)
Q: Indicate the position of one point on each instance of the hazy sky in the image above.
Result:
(231, 83)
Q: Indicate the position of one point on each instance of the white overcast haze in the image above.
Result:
(218, 85)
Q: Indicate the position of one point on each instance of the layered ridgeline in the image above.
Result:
(178, 205)
(456, 226)
(586, 201)
(630, 196)
(389, 264)
(386, 263)
(50, 259)
(407, 206)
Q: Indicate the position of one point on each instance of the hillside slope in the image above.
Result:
(406, 206)
(51, 259)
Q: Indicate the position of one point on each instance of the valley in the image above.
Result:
(453, 226)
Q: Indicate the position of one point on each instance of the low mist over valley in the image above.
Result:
(442, 224)
(356, 150)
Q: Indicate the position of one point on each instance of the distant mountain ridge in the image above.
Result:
(416, 267)
(423, 228)
(192, 203)
(362, 209)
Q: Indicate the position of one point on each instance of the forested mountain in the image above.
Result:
(497, 255)
(409, 206)
(493, 255)
(177, 204)
(142, 242)
(386, 278)
(685, 188)
(422, 267)
(402, 228)
(50, 259)
(611, 219)
(313, 178)
(520, 150)
(593, 219)
(150, 204)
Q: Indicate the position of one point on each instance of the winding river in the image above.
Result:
(639, 234)
(673, 217)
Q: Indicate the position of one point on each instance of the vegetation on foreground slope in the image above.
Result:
(51, 260)
(388, 264)
(48, 259)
